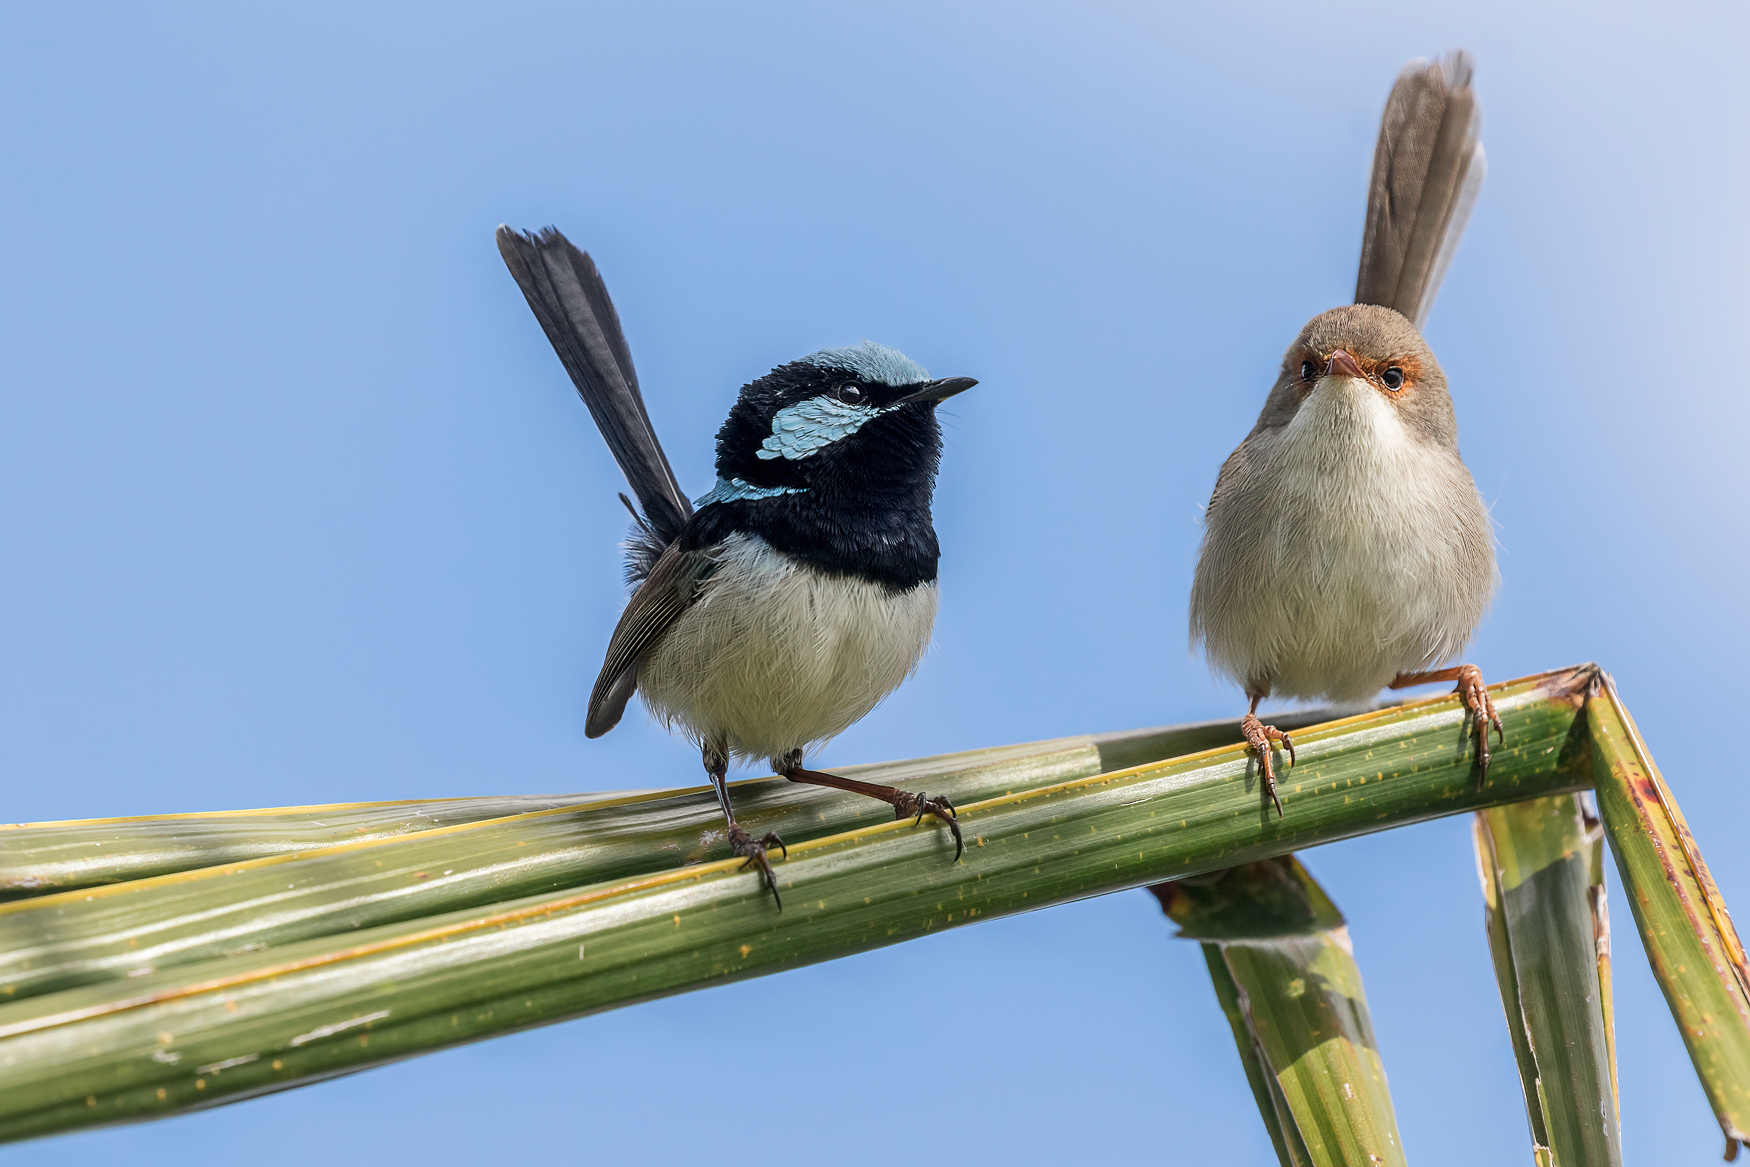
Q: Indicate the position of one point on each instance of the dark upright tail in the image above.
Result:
(1427, 170)
(572, 304)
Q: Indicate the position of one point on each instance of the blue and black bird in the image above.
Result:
(780, 607)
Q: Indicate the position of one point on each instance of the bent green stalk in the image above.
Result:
(1688, 934)
(1542, 880)
(1280, 959)
(123, 929)
(40, 858)
(235, 1026)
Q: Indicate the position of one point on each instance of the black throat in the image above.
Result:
(858, 508)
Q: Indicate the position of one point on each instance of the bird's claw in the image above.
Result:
(1259, 736)
(753, 852)
(1475, 695)
(940, 807)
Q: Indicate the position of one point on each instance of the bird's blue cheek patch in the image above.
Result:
(807, 427)
(734, 490)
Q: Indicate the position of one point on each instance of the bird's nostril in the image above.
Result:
(1344, 365)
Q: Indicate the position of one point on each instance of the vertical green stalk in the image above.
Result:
(1280, 959)
(1272, 1106)
(1690, 941)
(1542, 889)
(1600, 903)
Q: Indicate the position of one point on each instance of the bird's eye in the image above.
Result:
(1307, 369)
(849, 394)
(1394, 378)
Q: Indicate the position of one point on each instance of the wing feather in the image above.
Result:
(662, 599)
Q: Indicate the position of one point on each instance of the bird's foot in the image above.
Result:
(902, 802)
(753, 853)
(1475, 696)
(1259, 736)
(921, 804)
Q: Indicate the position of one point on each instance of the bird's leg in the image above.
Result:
(753, 851)
(1259, 736)
(1475, 696)
(904, 803)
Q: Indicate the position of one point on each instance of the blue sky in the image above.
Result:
(296, 504)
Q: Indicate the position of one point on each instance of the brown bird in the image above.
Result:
(1346, 548)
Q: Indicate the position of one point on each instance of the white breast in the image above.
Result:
(775, 656)
(1353, 552)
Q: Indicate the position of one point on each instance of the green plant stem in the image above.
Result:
(1536, 859)
(267, 1019)
(42, 858)
(1308, 1014)
(92, 934)
(1690, 941)
(1280, 960)
(1266, 1091)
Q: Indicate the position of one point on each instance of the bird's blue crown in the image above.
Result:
(828, 461)
(871, 362)
(806, 427)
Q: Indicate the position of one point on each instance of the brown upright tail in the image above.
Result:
(1427, 170)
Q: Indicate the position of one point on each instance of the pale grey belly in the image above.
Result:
(1331, 597)
(775, 657)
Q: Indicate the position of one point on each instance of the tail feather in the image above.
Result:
(1427, 170)
(572, 304)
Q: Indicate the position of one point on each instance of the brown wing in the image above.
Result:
(664, 597)
(1232, 472)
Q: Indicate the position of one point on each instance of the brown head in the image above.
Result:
(1375, 345)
